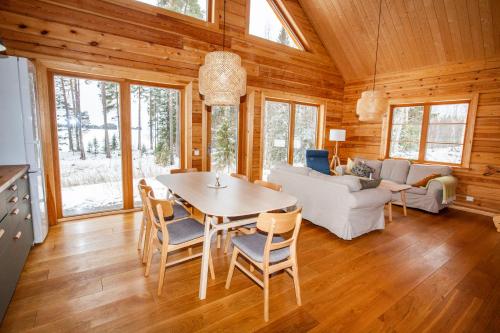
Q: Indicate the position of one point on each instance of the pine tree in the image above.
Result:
(109, 103)
(114, 143)
(137, 90)
(89, 147)
(187, 7)
(75, 93)
(95, 146)
(283, 37)
(62, 103)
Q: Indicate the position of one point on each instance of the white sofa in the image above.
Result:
(335, 203)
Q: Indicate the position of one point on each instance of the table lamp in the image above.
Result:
(337, 135)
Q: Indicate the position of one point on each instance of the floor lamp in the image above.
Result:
(337, 135)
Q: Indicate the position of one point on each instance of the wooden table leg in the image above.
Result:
(403, 200)
(390, 211)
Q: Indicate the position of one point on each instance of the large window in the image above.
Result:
(88, 132)
(224, 138)
(430, 132)
(107, 142)
(199, 9)
(289, 130)
(155, 113)
(266, 21)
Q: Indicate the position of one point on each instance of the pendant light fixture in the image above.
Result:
(222, 80)
(373, 104)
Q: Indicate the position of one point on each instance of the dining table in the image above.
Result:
(235, 202)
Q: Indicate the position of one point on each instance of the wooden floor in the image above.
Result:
(438, 273)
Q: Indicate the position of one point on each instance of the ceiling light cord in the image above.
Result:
(376, 50)
(224, 26)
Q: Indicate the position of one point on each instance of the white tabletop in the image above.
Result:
(239, 198)
(393, 186)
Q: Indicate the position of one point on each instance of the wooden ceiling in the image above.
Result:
(414, 33)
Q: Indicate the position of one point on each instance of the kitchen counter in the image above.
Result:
(9, 174)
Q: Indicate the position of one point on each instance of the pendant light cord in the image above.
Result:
(224, 26)
(376, 50)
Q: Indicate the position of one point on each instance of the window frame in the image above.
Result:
(291, 131)
(211, 20)
(467, 140)
(288, 23)
(124, 83)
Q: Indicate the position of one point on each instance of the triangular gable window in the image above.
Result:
(266, 22)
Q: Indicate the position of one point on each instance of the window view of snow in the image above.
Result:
(406, 131)
(304, 135)
(265, 23)
(88, 120)
(276, 134)
(194, 8)
(155, 115)
(446, 133)
(224, 139)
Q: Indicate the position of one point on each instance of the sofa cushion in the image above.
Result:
(362, 170)
(419, 171)
(376, 165)
(298, 170)
(417, 190)
(352, 182)
(423, 182)
(395, 170)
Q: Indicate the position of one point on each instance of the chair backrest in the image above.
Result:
(158, 209)
(272, 186)
(280, 223)
(240, 176)
(317, 159)
(173, 171)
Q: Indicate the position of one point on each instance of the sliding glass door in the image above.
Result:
(88, 133)
(223, 152)
(289, 130)
(155, 118)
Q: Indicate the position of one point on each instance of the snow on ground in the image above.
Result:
(94, 184)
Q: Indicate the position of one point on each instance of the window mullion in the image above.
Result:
(423, 133)
(291, 132)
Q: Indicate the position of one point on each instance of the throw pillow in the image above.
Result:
(369, 183)
(349, 166)
(362, 170)
(423, 182)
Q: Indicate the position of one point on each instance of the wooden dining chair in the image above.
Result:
(169, 236)
(251, 227)
(142, 232)
(272, 186)
(269, 251)
(240, 176)
(179, 211)
(178, 198)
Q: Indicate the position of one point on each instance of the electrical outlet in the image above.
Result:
(469, 198)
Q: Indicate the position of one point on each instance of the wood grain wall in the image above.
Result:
(364, 139)
(135, 36)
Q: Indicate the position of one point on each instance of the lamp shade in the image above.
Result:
(372, 105)
(337, 135)
(222, 79)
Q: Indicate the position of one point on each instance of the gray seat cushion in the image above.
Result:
(420, 171)
(253, 246)
(183, 231)
(395, 170)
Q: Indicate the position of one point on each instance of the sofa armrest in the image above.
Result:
(443, 188)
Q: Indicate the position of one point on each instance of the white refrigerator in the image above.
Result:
(19, 132)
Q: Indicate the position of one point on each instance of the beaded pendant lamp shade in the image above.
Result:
(222, 80)
(373, 104)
